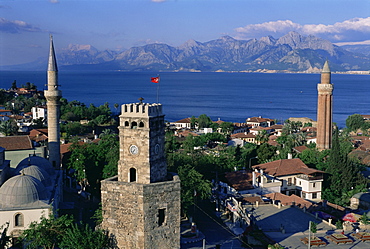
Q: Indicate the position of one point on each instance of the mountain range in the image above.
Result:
(291, 52)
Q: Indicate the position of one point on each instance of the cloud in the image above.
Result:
(54, 1)
(16, 26)
(158, 1)
(356, 29)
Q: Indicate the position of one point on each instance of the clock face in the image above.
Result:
(134, 149)
(156, 149)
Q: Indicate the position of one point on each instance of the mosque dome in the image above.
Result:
(22, 191)
(37, 172)
(38, 161)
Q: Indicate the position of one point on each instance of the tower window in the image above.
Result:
(133, 125)
(161, 216)
(18, 220)
(127, 123)
(141, 124)
(132, 175)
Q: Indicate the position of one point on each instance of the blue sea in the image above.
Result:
(230, 97)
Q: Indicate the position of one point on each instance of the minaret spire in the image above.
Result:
(52, 65)
(53, 96)
(325, 109)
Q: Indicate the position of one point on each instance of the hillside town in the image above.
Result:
(65, 158)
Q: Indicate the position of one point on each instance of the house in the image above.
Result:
(182, 124)
(39, 135)
(246, 137)
(304, 121)
(361, 200)
(292, 200)
(40, 112)
(5, 112)
(276, 129)
(296, 177)
(19, 147)
(299, 149)
(259, 121)
(243, 182)
(240, 128)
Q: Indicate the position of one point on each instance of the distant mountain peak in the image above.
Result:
(227, 38)
(189, 43)
(79, 47)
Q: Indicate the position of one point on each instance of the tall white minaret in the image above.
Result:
(53, 96)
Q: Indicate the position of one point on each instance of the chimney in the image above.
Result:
(290, 156)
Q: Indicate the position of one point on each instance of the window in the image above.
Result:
(161, 216)
(289, 181)
(314, 184)
(141, 124)
(127, 123)
(133, 125)
(314, 195)
(132, 175)
(295, 181)
(18, 220)
(303, 195)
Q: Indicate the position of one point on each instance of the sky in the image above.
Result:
(25, 25)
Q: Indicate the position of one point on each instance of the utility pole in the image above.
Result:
(309, 234)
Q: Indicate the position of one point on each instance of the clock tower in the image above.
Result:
(141, 206)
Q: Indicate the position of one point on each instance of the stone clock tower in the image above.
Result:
(141, 206)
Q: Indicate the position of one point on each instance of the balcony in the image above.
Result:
(310, 178)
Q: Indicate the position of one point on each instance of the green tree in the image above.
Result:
(345, 178)
(193, 122)
(355, 122)
(313, 227)
(192, 184)
(227, 128)
(262, 136)
(8, 127)
(47, 233)
(4, 239)
(83, 237)
(204, 121)
(14, 85)
(265, 152)
(95, 161)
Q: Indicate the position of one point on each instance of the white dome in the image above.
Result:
(37, 172)
(22, 191)
(38, 161)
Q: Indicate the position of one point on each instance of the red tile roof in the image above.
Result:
(243, 135)
(11, 143)
(185, 120)
(239, 180)
(285, 167)
(286, 200)
(301, 148)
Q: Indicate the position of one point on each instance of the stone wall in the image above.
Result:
(131, 213)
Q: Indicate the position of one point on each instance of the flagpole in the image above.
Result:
(159, 79)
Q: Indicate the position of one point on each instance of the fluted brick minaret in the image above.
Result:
(53, 96)
(325, 110)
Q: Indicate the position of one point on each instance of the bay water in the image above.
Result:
(230, 97)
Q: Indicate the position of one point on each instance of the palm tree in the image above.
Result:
(8, 127)
(262, 136)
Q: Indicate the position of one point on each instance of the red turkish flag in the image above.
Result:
(155, 79)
